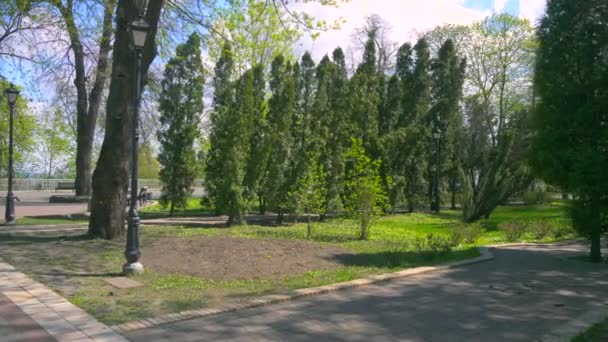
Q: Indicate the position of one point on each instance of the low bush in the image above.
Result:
(513, 231)
(536, 197)
(468, 233)
(432, 246)
(540, 229)
(561, 228)
(456, 236)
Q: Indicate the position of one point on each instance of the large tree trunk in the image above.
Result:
(86, 133)
(87, 106)
(111, 177)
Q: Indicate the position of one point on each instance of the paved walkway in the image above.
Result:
(524, 294)
(15, 325)
(29, 311)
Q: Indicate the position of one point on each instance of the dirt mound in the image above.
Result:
(230, 258)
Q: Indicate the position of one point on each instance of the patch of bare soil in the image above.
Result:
(231, 258)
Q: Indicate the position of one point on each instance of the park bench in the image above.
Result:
(65, 186)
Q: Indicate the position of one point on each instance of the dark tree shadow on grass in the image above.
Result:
(28, 240)
(401, 259)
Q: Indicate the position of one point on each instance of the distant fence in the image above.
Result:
(30, 184)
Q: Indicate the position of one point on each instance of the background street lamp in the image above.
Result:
(436, 200)
(9, 215)
(138, 30)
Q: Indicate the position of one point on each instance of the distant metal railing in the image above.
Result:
(31, 184)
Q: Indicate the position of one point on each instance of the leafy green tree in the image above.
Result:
(311, 192)
(499, 71)
(569, 148)
(55, 144)
(89, 53)
(24, 128)
(180, 104)
(458, 34)
(281, 108)
(149, 167)
(258, 33)
(364, 196)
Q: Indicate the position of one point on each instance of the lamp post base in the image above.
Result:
(133, 268)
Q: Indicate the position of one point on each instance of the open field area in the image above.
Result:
(189, 268)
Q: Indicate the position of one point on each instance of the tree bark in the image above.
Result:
(110, 179)
(87, 106)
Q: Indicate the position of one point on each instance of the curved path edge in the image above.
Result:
(485, 255)
(60, 318)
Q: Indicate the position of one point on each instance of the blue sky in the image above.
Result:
(408, 19)
(510, 6)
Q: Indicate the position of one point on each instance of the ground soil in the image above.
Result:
(231, 258)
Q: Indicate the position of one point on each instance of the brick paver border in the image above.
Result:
(60, 318)
(485, 255)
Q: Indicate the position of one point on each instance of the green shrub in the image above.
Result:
(513, 230)
(206, 202)
(540, 229)
(456, 236)
(536, 197)
(432, 246)
(561, 228)
(467, 233)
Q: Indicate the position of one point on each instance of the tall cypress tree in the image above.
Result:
(365, 99)
(231, 128)
(280, 115)
(448, 78)
(302, 126)
(180, 105)
(390, 169)
(257, 160)
(408, 142)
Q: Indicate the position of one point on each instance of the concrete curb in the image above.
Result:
(486, 255)
(539, 244)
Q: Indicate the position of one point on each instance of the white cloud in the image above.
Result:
(499, 5)
(406, 16)
(532, 10)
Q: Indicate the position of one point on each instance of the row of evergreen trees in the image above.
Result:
(288, 141)
(266, 137)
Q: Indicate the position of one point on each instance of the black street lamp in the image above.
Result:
(437, 138)
(9, 216)
(139, 32)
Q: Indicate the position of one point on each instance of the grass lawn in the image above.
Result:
(597, 333)
(193, 208)
(75, 266)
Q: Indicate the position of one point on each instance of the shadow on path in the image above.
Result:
(520, 296)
